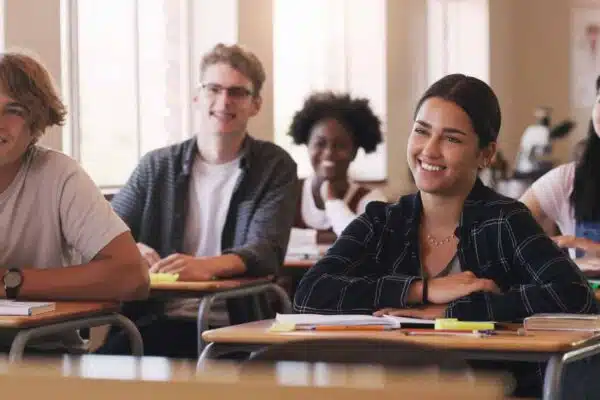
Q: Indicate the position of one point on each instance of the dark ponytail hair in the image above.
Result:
(585, 198)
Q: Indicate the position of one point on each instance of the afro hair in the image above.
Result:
(354, 114)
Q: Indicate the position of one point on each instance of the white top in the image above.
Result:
(53, 215)
(552, 191)
(337, 214)
(209, 195)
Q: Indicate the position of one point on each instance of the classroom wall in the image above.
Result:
(529, 50)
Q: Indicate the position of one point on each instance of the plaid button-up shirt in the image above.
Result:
(376, 259)
(260, 214)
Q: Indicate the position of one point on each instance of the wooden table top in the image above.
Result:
(505, 340)
(64, 311)
(161, 378)
(207, 286)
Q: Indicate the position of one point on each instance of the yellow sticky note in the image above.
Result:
(156, 277)
(279, 327)
(455, 324)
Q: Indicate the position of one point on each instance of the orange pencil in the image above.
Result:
(351, 328)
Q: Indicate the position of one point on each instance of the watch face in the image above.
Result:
(12, 279)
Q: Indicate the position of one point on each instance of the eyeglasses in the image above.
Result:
(212, 90)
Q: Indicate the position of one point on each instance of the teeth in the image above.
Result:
(328, 163)
(429, 167)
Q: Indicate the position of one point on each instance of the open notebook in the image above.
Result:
(311, 321)
(26, 308)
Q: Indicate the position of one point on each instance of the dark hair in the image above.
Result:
(25, 80)
(475, 97)
(585, 198)
(354, 114)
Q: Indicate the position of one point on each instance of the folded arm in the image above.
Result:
(549, 282)
(348, 278)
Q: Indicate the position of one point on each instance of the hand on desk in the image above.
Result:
(188, 267)
(148, 254)
(431, 311)
(573, 242)
(453, 287)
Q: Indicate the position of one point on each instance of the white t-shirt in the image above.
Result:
(209, 195)
(337, 214)
(552, 191)
(53, 215)
(210, 191)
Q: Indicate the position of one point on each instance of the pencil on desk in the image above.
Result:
(348, 328)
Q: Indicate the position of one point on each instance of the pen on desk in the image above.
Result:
(348, 328)
(447, 333)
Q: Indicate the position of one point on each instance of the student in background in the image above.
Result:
(456, 248)
(59, 237)
(569, 195)
(218, 205)
(334, 127)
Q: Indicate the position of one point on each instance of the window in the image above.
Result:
(128, 78)
(458, 40)
(334, 45)
(2, 24)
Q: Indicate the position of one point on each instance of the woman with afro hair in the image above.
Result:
(333, 127)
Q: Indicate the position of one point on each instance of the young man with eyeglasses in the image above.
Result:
(216, 206)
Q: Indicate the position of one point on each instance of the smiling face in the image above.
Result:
(443, 149)
(15, 136)
(331, 149)
(226, 100)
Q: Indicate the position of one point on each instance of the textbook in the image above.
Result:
(26, 308)
(563, 322)
(290, 322)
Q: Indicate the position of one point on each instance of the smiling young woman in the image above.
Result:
(455, 248)
(334, 127)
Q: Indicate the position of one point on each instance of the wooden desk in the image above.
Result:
(68, 316)
(105, 377)
(196, 289)
(210, 291)
(557, 348)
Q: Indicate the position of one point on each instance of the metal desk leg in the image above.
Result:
(135, 337)
(213, 351)
(553, 377)
(207, 301)
(25, 335)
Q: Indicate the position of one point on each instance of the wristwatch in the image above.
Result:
(12, 279)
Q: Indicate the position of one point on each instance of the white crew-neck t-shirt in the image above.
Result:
(209, 196)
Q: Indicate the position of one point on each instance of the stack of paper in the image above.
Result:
(12, 307)
(313, 321)
(303, 244)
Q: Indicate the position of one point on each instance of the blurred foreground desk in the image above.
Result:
(68, 316)
(210, 291)
(556, 348)
(96, 377)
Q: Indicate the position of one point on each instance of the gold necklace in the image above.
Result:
(437, 243)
